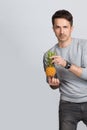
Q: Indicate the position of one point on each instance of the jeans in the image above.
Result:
(70, 114)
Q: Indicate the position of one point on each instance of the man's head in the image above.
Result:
(62, 21)
(63, 14)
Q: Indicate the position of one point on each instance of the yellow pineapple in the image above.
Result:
(50, 69)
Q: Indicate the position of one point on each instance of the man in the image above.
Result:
(71, 77)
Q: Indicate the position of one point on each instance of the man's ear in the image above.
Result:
(53, 28)
(72, 28)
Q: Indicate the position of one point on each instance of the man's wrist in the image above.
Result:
(68, 65)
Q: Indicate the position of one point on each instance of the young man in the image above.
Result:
(71, 77)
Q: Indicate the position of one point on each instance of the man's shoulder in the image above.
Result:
(79, 39)
(52, 49)
(80, 42)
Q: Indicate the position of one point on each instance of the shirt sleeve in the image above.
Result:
(44, 62)
(84, 73)
(84, 62)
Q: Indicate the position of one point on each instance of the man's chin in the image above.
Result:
(62, 40)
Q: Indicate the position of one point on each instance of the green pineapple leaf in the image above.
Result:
(49, 60)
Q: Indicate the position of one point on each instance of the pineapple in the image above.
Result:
(50, 69)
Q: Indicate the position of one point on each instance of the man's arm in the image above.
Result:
(78, 71)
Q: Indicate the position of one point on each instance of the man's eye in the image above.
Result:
(57, 27)
(65, 27)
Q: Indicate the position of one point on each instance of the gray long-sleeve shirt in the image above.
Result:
(72, 87)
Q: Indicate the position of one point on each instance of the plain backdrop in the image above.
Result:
(26, 100)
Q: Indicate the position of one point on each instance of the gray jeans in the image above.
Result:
(70, 114)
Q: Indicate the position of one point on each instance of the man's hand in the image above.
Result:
(53, 82)
(58, 60)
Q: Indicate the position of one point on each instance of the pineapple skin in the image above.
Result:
(50, 71)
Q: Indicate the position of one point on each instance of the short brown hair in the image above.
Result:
(63, 14)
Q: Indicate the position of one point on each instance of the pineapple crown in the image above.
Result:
(48, 59)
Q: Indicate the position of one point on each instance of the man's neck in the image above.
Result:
(65, 43)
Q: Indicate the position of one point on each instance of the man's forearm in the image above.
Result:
(76, 70)
(73, 68)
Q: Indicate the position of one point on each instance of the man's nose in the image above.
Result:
(61, 30)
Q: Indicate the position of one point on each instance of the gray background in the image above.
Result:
(26, 101)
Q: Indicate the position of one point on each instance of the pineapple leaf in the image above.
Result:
(48, 59)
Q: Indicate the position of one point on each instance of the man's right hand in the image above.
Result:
(53, 82)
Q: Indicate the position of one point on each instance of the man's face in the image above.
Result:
(62, 29)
